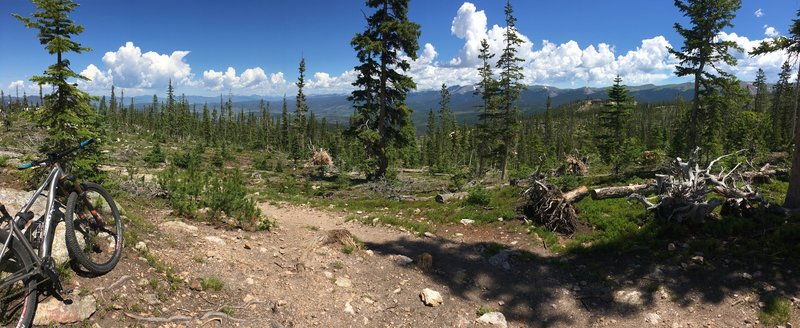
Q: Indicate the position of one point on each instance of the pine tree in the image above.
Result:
(300, 114)
(548, 125)
(761, 101)
(285, 137)
(700, 57)
(381, 86)
(487, 137)
(69, 117)
(509, 89)
(206, 126)
(431, 150)
(791, 45)
(613, 122)
(446, 131)
(780, 113)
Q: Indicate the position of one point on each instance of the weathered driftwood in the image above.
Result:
(623, 191)
(444, 198)
(682, 196)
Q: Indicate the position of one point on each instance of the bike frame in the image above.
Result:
(51, 183)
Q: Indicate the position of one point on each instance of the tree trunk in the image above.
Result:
(792, 200)
(576, 194)
(622, 191)
(444, 198)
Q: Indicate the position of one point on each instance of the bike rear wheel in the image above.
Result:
(93, 229)
(18, 300)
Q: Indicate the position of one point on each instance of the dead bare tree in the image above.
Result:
(682, 195)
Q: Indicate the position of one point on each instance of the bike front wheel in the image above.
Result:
(18, 295)
(93, 229)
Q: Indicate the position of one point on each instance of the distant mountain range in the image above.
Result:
(463, 102)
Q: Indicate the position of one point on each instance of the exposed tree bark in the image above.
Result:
(576, 194)
(623, 191)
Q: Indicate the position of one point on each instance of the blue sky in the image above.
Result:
(253, 47)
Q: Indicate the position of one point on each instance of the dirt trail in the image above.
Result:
(290, 278)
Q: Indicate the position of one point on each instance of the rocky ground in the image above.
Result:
(309, 272)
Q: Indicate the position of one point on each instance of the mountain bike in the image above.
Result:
(93, 238)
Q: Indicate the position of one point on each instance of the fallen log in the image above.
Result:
(623, 191)
(576, 194)
(444, 198)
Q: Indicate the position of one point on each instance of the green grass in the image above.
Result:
(776, 311)
(484, 310)
(347, 249)
(212, 283)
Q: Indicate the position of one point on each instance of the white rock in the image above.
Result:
(328, 274)
(54, 312)
(467, 221)
(215, 240)
(501, 260)
(344, 282)
(431, 297)
(141, 246)
(249, 281)
(630, 297)
(652, 318)
(496, 319)
(349, 308)
(403, 260)
(178, 226)
(429, 234)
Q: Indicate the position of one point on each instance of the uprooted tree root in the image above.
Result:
(683, 195)
(547, 204)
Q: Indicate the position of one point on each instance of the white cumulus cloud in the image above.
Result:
(759, 12)
(770, 31)
(747, 65)
(18, 84)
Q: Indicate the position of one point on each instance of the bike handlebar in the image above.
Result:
(56, 156)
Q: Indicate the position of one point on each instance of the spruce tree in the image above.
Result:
(69, 117)
(700, 57)
(791, 45)
(509, 89)
(487, 88)
(613, 123)
(446, 133)
(761, 101)
(381, 86)
(300, 114)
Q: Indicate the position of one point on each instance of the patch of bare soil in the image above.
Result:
(300, 275)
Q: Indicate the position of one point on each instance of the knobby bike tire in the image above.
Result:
(18, 301)
(96, 246)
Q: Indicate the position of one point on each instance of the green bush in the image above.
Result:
(186, 159)
(262, 163)
(155, 156)
(3, 161)
(479, 196)
(212, 283)
(228, 193)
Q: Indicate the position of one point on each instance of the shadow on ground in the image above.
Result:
(599, 281)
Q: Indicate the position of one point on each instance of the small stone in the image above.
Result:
(671, 247)
(370, 252)
(344, 282)
(495, 319)
(500, 219)
(215, 240)
(196, 284)
(249, 281)
(697, 259)
(403, 260)
(328, 274)
(141, 246)
(429, 234)
(349, 308)
(431, 297)
(630, 297)
(467, 221)
(417, 211)
(150, 299)
(368, 300)
(652, 318)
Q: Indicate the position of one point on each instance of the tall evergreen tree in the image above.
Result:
(300, 114)
(381, 86)
(613, 123)
(488, 115)
(791, 45)
(509, 89)
(701, 56)
(761, 101)
(446, 141)
(68, 117)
